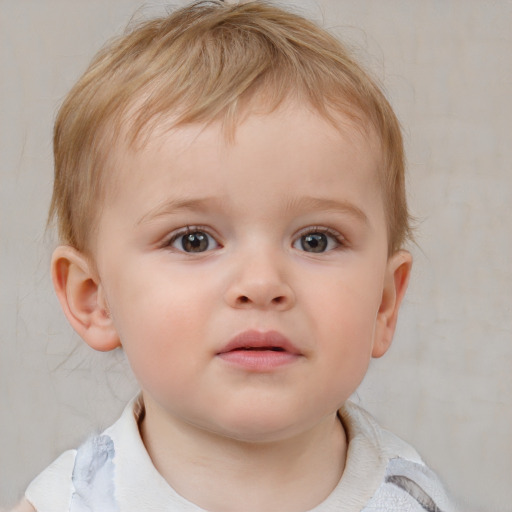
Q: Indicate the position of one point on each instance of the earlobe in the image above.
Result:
(395, 285)
(82, 298)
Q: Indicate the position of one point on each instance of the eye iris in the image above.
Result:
(195, 242)
(314, 242)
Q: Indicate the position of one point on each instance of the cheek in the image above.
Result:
(345, 317)
(160, 349)
(350, 302)
(154, 324)
(164, 322)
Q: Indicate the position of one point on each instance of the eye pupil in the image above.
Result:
(314, 242)
(195, 242)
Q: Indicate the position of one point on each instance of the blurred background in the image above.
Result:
(446, 384)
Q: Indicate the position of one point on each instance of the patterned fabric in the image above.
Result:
(93, 476)
(409, 487)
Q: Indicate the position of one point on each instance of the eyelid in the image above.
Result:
(185, 230)
(321, 229)
(340, 240)
(334, 234)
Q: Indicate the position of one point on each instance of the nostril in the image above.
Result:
(261, 300)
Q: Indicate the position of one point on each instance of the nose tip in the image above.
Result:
(259, 289)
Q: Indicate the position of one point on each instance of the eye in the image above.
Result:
(318, 240)
(193, 241)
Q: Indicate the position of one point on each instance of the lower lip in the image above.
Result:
(259, 360)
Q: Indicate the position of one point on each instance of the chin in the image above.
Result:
(256, 426)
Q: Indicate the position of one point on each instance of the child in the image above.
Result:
(229, 190)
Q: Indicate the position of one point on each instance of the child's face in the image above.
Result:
(246, 280)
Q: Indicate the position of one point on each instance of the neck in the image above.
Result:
(219, 473)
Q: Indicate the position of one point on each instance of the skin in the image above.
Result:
(224, 436)
(23, 506)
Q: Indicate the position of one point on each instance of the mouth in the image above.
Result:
(259, 351)
(274, 349)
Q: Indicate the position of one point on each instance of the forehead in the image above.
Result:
(294, 136)
(225, 133)
(273, 158)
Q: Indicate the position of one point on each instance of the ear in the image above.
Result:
(395, 284)
(82, 298)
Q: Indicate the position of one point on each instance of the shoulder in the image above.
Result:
(52, 489)
(414, 487)
(85, 475)
(404, 481)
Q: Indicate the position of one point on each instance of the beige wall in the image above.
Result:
(446, 385)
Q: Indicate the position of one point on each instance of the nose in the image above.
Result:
(260, 282)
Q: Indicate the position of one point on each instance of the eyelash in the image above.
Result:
(188, 230)
(334, 235)
(339, 239)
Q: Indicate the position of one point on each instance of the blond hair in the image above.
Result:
(202, 63)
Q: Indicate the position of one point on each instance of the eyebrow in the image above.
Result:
(327, 204)
(171, 206)
(204, 204)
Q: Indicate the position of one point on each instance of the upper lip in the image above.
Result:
(260, 340)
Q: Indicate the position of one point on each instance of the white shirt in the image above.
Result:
(113, 472)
